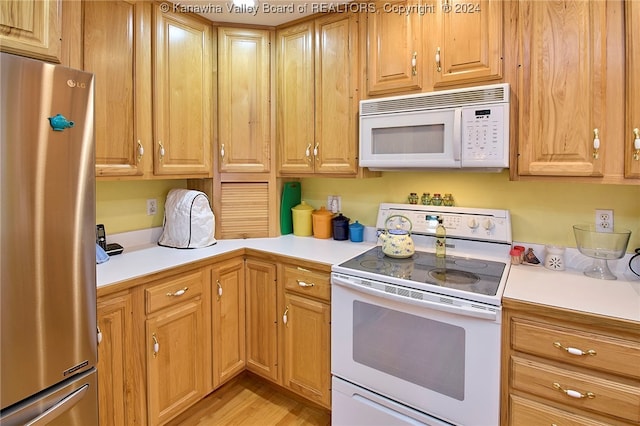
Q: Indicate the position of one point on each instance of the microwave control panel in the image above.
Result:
(485, 136)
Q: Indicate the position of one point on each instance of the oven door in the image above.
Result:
(411, 139)
(439, 359)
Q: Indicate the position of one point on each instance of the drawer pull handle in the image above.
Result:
(99, 335)
(219, 289)
(304, 284)
(575, 351)
(302, 269)
(285, 316)
(573, 393)
(178, 293)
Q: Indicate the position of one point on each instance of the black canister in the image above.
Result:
(340, 225)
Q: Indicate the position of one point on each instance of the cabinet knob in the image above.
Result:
(315, 150)
(222, 151)
(219, 292)
(438, 64)
(285, 316)
(156, 345)
(636, 144)
(140, 151)
(414, 63)
(596, 144)
(161, 150)
(99, 334)
(307, 152)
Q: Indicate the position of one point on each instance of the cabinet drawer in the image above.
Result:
(608, 397)
(307, 282)
(608, 354)
(524, 412)
(170, 292)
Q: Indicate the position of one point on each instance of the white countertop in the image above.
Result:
(569, 289)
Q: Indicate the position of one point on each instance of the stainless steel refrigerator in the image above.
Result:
(47, 245)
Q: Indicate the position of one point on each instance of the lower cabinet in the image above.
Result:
(307, 333)
(228, 320)
(261, 317)
(115, 345)
(167, 341)
(568, 368)
(176, 345)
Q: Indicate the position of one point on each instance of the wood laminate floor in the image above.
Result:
(250, 401)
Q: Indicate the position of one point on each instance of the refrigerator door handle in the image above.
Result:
(60, 407)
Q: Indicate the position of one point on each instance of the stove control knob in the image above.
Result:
(472, 223)
(488, 225)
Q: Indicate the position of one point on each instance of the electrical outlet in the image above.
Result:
(152, 206)
(604, 220)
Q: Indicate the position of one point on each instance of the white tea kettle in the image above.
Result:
(397, 242)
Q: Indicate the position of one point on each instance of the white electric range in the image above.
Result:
(417, 340)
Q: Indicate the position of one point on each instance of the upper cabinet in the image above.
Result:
(419, 46)
(244, 100)
(317, 96)
(632, 126)
(394, 46)
(468, 43)
(119, 54)
(562, 88)
(182, 94)
(32, 28)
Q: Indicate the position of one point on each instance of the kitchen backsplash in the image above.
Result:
(542, 212)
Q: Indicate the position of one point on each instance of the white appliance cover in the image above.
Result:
(188, 220)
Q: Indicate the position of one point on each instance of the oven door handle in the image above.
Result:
(457, 310)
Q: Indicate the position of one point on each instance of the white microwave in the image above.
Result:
(453, 129)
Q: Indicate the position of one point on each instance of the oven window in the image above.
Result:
(419, 350)
(427, 139)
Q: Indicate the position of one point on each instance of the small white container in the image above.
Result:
(554, 258)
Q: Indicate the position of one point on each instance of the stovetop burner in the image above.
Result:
(461, 273)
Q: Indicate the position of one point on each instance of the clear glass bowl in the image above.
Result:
(601, 246)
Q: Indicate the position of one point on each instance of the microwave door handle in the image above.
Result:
(457, 133)
(457, 310)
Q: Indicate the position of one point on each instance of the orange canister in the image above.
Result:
(322, 223)
(301, 215)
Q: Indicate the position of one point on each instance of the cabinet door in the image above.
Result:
(394, 48)
(244, 100)
(336, 94)
(114, 365)
(469, 48)
(176, 356)
(32, 28)
(228, 295)
(632, 128)
(295, 99)
(262, 336)
(307, 332)
(182, 95)
(561, 88)
(117, 49)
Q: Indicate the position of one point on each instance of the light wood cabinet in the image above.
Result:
(568, 367)
(32, 28)
(468, 46)
(317, 96)
(261, 318)
(115, 346)
(182, 94)
(244, 100)
(632, 126)
(176, 345)
(117, 49)
(228, 320)
(394, 48)
(307, 333)
(562, 88)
